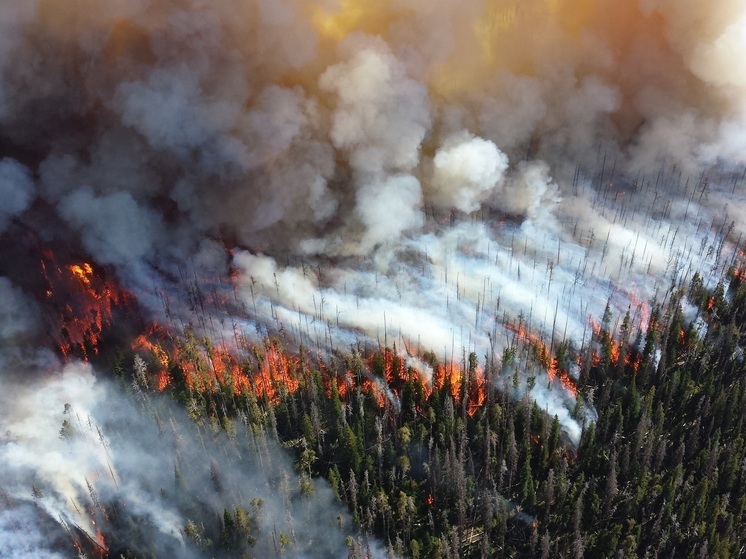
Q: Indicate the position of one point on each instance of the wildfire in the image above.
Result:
(477, 392)
(616, 349)
(88, 310)
(643, 310)
(81, 303)
(278, 371)
(274, 371)
(448, 375)
(738, 270)
(146, 343)
(375, 390)
(545, 357)
(206, 368)
(83, 272)
(100, 540)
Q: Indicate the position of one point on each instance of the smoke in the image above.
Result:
(16, 189)
(467, 170)
(437, 177)
(26, 534)
(381, 115)
(115, 229)
(79, 450)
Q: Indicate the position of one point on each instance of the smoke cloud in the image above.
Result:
(398, 172)
(467, 170)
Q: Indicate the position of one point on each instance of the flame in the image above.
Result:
(394, 367)
(616, 348)
(81, 303)
(84, 272)
(739, 269)
(449, 375)
(101, 541)
(149, 344)
(452, 376)
(275, 371)
(477, 392)
(375, 390)
(206, 369)
(643, 309)
(544, 354)
(278, 371)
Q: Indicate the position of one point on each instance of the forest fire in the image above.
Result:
(545, 357)
(102, 541)
(81, 303)
(148, 343)
(612, 351)
(237, 207)
(565, 380)
(274, 371)
(83, 272)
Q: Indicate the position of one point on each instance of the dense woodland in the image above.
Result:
(662, 473)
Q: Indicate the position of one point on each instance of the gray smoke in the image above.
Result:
(80, 451)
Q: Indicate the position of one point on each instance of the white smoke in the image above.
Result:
(76, 445)
(466, 172)
(389, 208)
(381, 114)
(22, 535)
(115, 228)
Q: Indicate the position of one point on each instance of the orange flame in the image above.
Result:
(100, 540)
(477, 392)
(83, 272)
(206, 368)
(82, 304)
(553, 369)
(616, 348)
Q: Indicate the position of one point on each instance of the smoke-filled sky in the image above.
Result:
(400, 171)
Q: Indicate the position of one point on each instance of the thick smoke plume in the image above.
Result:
(439, 177)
